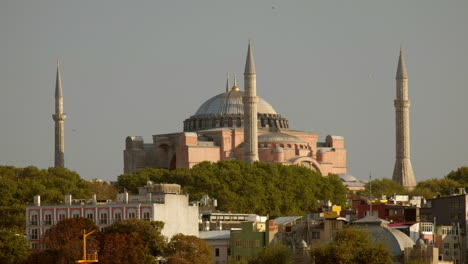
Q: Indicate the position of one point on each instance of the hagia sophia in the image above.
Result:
(217, 131)
(240, 125)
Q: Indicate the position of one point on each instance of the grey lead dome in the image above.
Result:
(230, 103)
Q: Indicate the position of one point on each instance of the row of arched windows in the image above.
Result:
(194, 124)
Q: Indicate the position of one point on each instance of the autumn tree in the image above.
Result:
(351, 245)
(188, 249)
(124, 249)
(63, 242)
(148, 231)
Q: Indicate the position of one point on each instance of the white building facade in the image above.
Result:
(155, 202)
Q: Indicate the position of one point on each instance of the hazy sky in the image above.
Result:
(142, 67)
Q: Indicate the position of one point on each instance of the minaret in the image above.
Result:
(250, 101)
(59, 118)
(403, 171)
(227, 82)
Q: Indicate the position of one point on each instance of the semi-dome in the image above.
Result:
(226, 110)
(231, 103)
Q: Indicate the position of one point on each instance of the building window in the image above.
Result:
(33, 219)
(146, 216)
(315, 235)
(103, 219)
(247, 244)
(446, 245)
(34, 234)
(48, 219)
(334, 225)
(131, 215)
(34, 245)
(89, 216)
(238, 258)
(229, 251)
(76, 215)
(456, 245)
(217, 252)
(118, 216)
(61, 217)
(238, 243)
(257, 243)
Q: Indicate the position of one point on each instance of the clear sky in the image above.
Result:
(142, 67)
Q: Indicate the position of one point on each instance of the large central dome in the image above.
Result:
(226, 110)
(230, 103)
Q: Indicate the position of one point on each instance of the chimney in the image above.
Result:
(68, 199)
(37, 200)
(94, 199)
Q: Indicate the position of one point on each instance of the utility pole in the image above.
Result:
(370, 192)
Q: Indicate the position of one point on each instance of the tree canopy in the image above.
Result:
(148, 231)
(259, 188)
(273, 253)
(188, 249)
(427, 188)
(351, 245)
(131, 241)
(63, 242)
(20, 185)
(14, 247)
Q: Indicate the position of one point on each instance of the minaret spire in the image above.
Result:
(250, 100)
(403, 171)
(59, 118)
(234, 86)
(227, 82)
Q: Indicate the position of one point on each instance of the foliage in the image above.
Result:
(14, 247)
(126, 242)
(148, 231)
(20, 185)
(433, 187)
(188, 249)
(427, 188)
(63, 242)
(103, 190)
(124, 248)
(351, 246)
(274, 253)
(384, 186)
(259, 188)
(460, 175)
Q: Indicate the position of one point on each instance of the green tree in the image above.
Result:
(384, 186)
(351, 246)
(20, 185)
(103, 190)
(259, 188)
(460, 175)
(148, 231)
(442, 186)
(188, 249)
(273, 253)
(14, 248)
